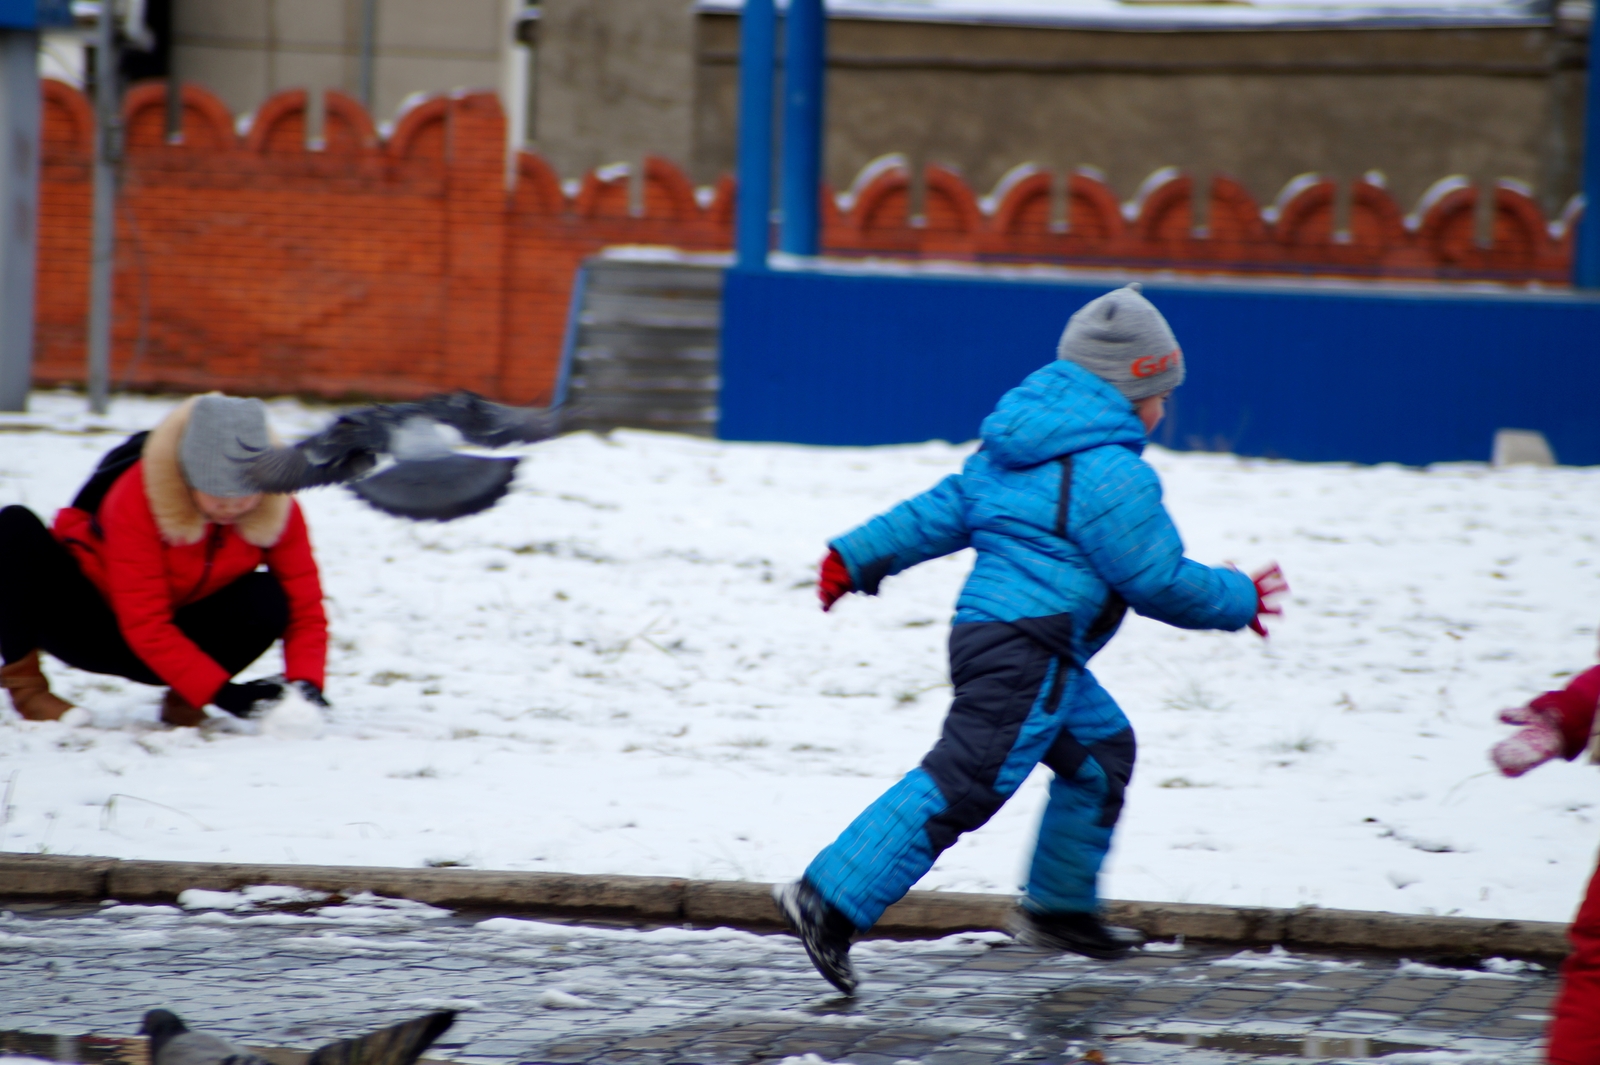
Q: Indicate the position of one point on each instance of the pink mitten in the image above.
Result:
(1533, 746)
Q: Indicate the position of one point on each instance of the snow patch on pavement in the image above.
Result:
(550, 998)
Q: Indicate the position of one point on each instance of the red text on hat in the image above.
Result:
(1150, 365)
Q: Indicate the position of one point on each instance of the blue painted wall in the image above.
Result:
(1317, 374)
(34, 14)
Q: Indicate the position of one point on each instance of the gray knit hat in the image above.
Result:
(1122, 339)
(223, 434)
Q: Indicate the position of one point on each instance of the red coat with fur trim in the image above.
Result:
(153, 552)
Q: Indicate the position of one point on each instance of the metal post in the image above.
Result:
(757, 47)
(369, 47)
(104, 233)
(1586, 257)
(174, 99)
(804, 60)
(19, 210)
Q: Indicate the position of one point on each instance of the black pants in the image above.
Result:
(47, 604)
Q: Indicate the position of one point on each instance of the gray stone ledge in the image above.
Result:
(741, 904)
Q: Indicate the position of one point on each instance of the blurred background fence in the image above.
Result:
(253, 257)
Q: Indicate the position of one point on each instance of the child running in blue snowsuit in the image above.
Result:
(1069, 530)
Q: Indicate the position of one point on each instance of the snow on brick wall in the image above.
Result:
(397, 266)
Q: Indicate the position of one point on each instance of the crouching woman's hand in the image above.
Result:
(253, 697)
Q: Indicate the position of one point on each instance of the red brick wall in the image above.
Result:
(400, 267)
(384, 269)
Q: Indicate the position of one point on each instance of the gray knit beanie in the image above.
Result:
(1122, 339)
(223, 434)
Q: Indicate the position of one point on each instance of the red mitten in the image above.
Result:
(833, 580)
(1533, 746)
(1269, 583)
(1574, 706)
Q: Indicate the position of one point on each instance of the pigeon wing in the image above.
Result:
(342, 452)
(438, 489)
(489, 424)
(400, 1044)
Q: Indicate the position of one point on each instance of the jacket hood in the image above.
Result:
(1058, 410)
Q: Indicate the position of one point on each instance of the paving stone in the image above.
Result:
(718, 1001)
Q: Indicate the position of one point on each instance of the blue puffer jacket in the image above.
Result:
(1062, 428)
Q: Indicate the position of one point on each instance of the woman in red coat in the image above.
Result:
(1563, 724)
(157, 578)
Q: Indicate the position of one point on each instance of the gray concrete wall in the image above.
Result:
(619, 79)
(1262, 106)
(615, 82)
(246, 50)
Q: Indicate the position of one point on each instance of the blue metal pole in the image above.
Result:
(758, 33)
(804, 61)
(1586, 260)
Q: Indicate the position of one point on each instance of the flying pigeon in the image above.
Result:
(172, 1043)
(428, 479)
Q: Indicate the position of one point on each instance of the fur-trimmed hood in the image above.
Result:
(179, 520)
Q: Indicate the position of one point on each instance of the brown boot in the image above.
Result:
(175, 710)
(30, 691)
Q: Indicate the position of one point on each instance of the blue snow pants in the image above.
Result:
(1016, 704)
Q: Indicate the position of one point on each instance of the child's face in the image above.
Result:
(1151, 409)
(224, 510)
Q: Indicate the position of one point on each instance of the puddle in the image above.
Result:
(1331, 1045)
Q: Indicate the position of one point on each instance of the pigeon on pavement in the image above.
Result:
(172, 1043)
(428, 479)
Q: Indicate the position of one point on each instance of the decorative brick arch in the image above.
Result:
(538, 189)
(950, 206)
(951, 219)
(668, 194)
(68, 121)
(279, 127)
(1094, 218)
(420, 133)
(1376, 222)
(1166, 210)
(347, 128)
(207, 123)
(1234, 224)
(1447, 230)
(604, 192)
(1305, 212)
(1520, 235)
(1023, 207)
(883, 206)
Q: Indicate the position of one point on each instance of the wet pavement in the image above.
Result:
(280, 968)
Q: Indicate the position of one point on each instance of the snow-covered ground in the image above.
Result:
(623, 669)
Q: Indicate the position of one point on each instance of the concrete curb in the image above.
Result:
(740, 904)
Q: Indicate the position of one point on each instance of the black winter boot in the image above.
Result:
(823, 931)
(1076, 933)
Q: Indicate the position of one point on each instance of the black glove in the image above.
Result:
(243, 700)
(310, 693)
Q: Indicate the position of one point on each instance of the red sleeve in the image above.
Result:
(136, 585)
(1576, 703)
(305, 641)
